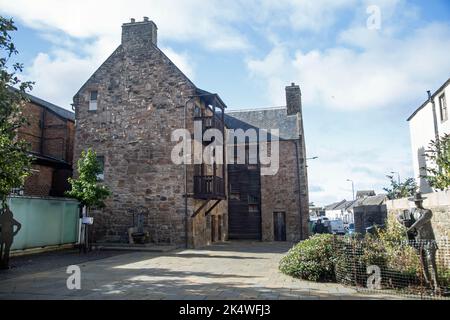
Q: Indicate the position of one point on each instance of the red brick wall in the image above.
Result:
(58, 132)
(58, 138)
(32, 132)
(40, 181)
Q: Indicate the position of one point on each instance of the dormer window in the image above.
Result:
(93, 95)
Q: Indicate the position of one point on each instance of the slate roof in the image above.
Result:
(264, 118)
(365, 193)
(345, 205)
(335, 205)
(66, 114)
(374, 201)
(367, 201)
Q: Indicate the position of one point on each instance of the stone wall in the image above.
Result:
(280, 193)
(438, 202)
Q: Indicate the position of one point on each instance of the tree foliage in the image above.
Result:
(15, 161)
(438, 175)
(398, 190)
(86, 188)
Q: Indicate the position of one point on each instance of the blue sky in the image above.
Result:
(359, 85)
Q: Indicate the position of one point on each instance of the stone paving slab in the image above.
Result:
(237, 270)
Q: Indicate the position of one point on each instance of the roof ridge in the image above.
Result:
(256, 109)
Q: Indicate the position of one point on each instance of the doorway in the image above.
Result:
(279, 226)
(213, 228)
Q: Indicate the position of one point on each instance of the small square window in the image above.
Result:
(93, 96)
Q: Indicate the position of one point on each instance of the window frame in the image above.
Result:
(443, 107)
(93, 103)
(101, 176)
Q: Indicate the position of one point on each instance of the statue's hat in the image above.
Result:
(417, 197)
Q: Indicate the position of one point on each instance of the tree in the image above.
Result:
(86, 188)
(15, 160)
(438, 176)
(398, 190)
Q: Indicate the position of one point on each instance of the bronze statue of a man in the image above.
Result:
(420, 232)
(7, 234)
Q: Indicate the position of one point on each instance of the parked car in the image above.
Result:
(337, 226)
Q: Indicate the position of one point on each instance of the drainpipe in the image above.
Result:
(186, 212)
(298, 186)
(435, 120)
(436, 130)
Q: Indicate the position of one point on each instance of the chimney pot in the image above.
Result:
(145, 19)
(133, 20)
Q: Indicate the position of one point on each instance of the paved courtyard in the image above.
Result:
(236, 270)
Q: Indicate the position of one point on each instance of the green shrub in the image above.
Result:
(312, 259)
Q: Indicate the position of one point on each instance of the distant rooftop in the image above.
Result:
(64, 113)
(365, 193)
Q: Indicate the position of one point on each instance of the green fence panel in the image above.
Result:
(45, 221)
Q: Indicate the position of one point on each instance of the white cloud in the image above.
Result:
(300, 15)
(367, 167)
(83, 33)
(367, 70)
(196, 20)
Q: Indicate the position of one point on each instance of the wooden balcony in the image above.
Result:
(209, 187)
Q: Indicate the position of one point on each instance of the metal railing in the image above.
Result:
(409, 268)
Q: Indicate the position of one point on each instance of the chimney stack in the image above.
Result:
(293, 99)
(136, 34)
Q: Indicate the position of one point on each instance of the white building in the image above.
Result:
(429, 121)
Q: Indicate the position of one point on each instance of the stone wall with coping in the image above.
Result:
(438, 202)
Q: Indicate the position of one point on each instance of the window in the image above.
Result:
(443, 108)
(253, 208)
(253, 199)
(93, 95)
(235, 196)
(197, 112)
(101, 161)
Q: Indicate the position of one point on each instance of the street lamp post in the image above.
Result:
(353, 188)
(313, 158)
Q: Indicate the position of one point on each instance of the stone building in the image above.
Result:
(271, 207)
(127, 112)
(50, 132)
